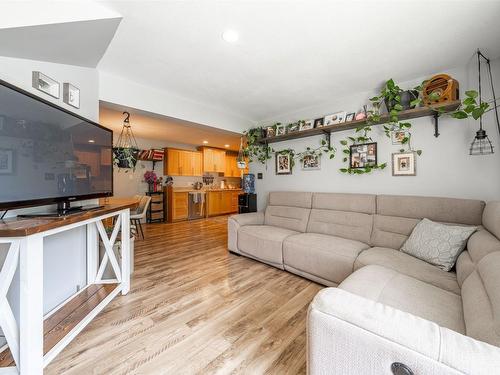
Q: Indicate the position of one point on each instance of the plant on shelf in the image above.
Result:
(254, 150)
(346, 150)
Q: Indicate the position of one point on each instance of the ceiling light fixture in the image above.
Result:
(230, 36)
(205, 142)
(91, 141)
(226, 145)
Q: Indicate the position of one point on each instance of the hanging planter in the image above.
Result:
(126, 151)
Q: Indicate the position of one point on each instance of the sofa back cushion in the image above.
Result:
(289, 210)
(343, 215)
(397, 215)
(481, 300)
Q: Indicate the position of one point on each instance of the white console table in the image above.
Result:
(34, 339)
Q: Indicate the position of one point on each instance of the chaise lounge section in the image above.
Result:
(388, 306)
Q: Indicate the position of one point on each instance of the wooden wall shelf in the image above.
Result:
(403, 115)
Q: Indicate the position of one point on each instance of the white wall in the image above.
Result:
(444, 169)
(64, 255)
(125, 92)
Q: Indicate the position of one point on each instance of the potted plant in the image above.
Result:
(125, 157)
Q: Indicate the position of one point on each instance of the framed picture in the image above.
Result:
(71, 95)
(318, 123)
(350, 116)
(6, 161)
(311, 162)
(280, 129)
(306, 125)
(293, 127)
(397, 136)
(270, 132)
(45, 84)
(335, 118)
(283, 163)
(363, 155)
(404, 164)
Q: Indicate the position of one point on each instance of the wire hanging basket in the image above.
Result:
(126, 150)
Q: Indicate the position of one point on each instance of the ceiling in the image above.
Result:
(78, 33)
(292, 54)
(153, 126)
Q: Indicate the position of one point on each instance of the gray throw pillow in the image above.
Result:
(436, 243)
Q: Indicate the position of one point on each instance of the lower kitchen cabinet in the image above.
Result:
(222, 202)
(178, 206)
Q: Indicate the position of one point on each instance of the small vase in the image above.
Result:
(150, 187)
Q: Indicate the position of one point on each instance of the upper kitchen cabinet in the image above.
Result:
(182, 162)
(214, 160)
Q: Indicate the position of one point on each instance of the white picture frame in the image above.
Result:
(280, 129)
(404, 163)
(306, 125)
(335, 118)
(311, 162)
(71, 95)
(45, 84)
(283, 163)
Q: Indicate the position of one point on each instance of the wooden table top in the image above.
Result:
(20, 227)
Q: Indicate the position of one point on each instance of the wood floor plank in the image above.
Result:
(195, 308)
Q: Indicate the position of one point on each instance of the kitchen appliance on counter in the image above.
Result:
(196, 205)
(198, 185)
(247, 202)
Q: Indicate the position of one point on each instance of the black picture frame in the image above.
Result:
(277, 157)
(319, 122)
(369, 162)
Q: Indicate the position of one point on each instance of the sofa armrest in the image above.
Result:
(252, 218)
(349, 334)
(235, 222)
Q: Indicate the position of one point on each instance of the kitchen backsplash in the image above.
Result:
(187, 181)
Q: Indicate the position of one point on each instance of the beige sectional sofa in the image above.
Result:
(387, 306)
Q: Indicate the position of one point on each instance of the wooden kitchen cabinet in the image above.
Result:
(222, 202)
(182, 162)
(214, 160)
(179, 209)
(231, 166)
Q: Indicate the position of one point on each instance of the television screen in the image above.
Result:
(48, 154)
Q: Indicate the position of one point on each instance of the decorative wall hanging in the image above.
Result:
(71, 95)
(126, 150)
(270, 131)
(45, 84)
(284, 162)
(311, 162)
(306, 125)
(363, 155)
(280, 129)
(350, 117)
(318, 123)
(404, 164)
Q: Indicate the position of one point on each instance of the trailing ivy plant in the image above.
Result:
(470, 108)
(324, 148)
(359, 139)
(254, 150)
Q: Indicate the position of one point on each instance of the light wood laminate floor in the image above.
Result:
(194, 308)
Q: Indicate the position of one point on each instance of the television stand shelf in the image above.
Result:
(403, 115)
(34, 339)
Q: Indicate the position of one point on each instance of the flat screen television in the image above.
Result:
(49, 154)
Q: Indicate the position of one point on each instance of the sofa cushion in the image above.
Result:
(481, 300)
(437, 244)
(410, 266)
(363, 203)
(445, 210)
(263, 242)
(290, 198)
(328, 257)
(491, 218)
(293, 218)
(464, 266)
(391, 231)
(408, 294)
(351, 225)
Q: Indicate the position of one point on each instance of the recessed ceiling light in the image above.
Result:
(91, 141)
(226, 145)
(205, 142)
(230, 36)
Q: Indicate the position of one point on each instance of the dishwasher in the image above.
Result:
(196, 205)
